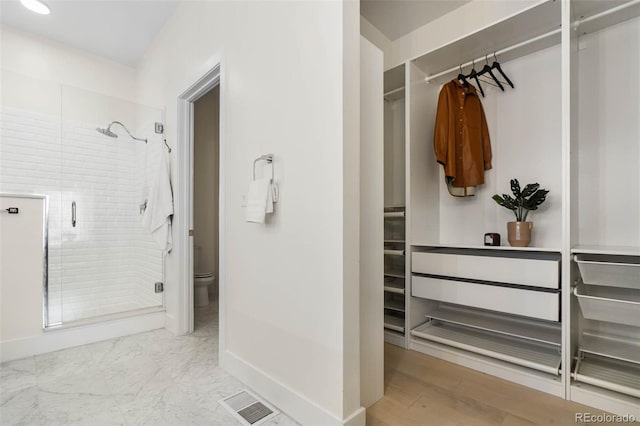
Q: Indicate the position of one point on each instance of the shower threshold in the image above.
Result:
(103, 318)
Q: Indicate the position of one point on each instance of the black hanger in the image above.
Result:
(496, 66)
(487, 69)
(474, 75)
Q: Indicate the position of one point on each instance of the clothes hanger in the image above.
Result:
(474, 75)
(487, 69)
(496, 65)
(462, 77)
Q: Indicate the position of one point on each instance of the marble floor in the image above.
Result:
(152, 378)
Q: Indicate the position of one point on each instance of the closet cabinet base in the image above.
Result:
(547, 383)
(602, 399)
(395, 338)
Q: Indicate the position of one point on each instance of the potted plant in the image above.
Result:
(523, 201)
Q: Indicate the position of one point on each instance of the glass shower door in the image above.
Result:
(108, 263)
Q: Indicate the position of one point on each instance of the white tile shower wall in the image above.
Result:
(107, 263)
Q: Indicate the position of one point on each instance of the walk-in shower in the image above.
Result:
(101, 261)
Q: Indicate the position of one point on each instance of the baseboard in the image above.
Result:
(296, 406)
(605, 400)
(63, 338)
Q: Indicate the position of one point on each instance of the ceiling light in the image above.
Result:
(36, 6)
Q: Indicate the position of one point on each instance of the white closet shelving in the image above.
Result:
(563, 315)
(395, 243)
(492, 308)
(604, 304)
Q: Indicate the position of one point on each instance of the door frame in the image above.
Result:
(208, 77)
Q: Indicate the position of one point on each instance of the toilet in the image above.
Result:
(201, 283)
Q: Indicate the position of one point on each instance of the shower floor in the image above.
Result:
(152, 378)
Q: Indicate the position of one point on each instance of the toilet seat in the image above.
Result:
(203, 275)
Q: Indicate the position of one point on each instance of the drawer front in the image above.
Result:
(531, 272)
(529, 303)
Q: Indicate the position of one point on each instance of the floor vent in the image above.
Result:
(248, 408)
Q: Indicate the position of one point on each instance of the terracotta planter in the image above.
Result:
(519, 233)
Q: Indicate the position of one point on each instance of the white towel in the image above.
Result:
(259, 200)
(156, 218)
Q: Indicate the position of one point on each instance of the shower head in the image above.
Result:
(107, 132)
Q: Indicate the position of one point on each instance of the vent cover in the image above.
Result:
(248, 408)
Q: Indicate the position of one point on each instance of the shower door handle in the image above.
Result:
(73, 214)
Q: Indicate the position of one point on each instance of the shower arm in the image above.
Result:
(126, 130)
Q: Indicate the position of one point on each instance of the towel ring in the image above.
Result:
(268, 158)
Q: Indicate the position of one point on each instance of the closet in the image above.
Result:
(395, 245)
(562, 315)
(605, 217)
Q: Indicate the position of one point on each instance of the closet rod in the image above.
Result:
(605, 13)
(456, 68)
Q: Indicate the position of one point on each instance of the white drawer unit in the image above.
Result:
(530, 303)
(536, 272)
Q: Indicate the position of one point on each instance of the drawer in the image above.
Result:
(529, 303)
(531, 272)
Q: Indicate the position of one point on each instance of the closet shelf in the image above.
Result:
(596, 15)
(394, 95)
(609, 270)
(394, 215)
(529, 329)
(612, 250)
(610, 304)
(394, 241)
(609, 374)
(394, 274)
(394, 287)
(545, 358)
(515, 31)
(490, 248)
(610, 348)
(394, 323)
(394, 252)
(394, 305)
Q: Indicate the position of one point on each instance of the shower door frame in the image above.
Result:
(210, 76)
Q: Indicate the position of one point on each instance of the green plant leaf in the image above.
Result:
(509, 202)
(498, 199)
(515, 187)
(536, 199)
(530, 189)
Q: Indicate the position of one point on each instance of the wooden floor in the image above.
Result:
(422, 390)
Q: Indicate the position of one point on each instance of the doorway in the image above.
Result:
(205, 209)
(209, 81)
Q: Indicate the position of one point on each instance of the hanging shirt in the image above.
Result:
(461, 138)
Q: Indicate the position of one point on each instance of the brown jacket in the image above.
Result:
(461, 138)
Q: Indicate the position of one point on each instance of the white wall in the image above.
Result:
(287, 299)
(375, 36)
(39, 58)
(205, 182)
(609, 131)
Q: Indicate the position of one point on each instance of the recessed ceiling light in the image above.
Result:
(36, 6)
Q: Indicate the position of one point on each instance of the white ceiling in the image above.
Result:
(395, 18)
(120, 30)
